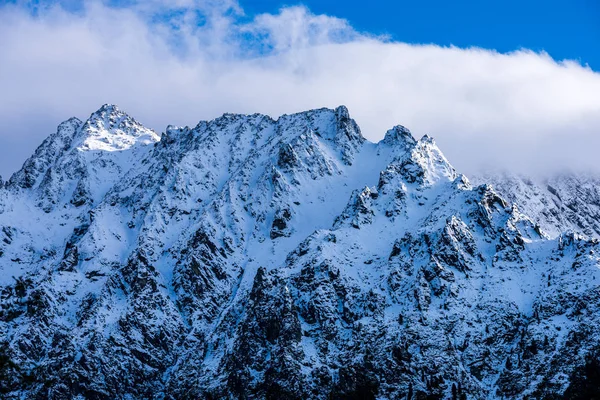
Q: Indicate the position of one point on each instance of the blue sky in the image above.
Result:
(566, 29)
(495, 99)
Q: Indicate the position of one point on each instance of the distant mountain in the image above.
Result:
(567, 202)
(289, 259)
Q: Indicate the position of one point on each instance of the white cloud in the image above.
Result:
(177, 63)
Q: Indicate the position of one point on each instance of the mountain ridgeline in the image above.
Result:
(253, 258)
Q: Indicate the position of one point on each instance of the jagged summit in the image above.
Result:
(110, 129)
(248, 257)
(399, 135)
(106, 109)
(81, 161)
(340, 111)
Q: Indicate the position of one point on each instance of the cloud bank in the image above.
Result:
(183, 61)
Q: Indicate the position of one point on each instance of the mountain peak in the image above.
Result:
(111, 129)
(109, 108)
(427, 139)
(342, 112)
(425, 163)
(399, 135)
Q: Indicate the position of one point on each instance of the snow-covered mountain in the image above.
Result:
(256, 258)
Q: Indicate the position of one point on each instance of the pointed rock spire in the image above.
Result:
(399, 135)
(348, 135)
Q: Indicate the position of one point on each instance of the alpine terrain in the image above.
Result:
(253, 258)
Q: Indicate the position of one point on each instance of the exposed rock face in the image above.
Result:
(254, 258)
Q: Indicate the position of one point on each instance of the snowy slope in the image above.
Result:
(248, 257)
(567, 202)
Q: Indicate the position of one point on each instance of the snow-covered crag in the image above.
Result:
(284, 259)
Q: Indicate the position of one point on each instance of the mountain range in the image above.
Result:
(253, 258)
